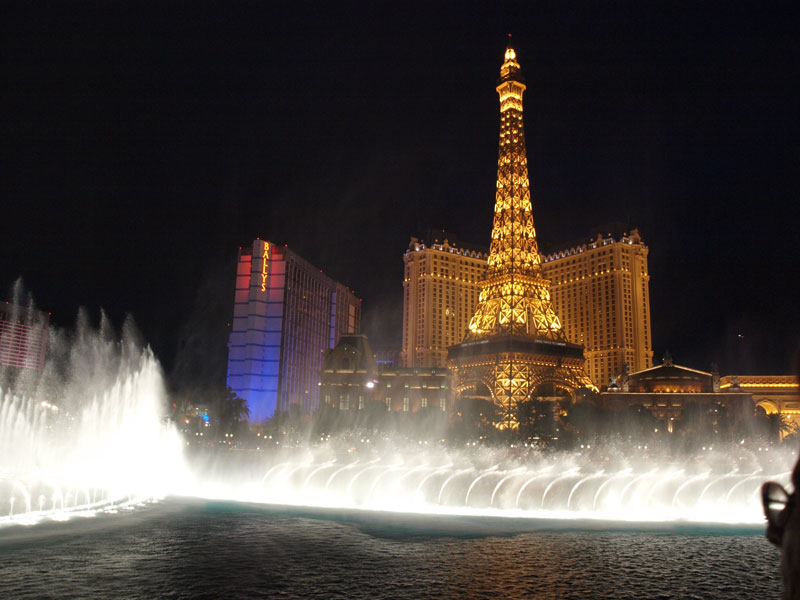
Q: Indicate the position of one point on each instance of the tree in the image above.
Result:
(696, 423)
(326, 420)
(636, 423)
(778, 426)
(227, 411)
(536, 418)
(476, 417)
(293, 424)
(585, 419)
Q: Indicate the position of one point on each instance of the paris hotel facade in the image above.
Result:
(599, 289)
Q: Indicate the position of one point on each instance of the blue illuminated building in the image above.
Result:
(287, 314)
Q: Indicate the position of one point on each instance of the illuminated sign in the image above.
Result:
(264, 271)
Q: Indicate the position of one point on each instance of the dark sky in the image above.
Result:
(144, 143)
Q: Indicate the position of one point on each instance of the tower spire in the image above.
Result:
(515, 298)
(515, 348)
(511, 68)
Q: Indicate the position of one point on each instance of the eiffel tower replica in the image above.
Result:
(515, 346)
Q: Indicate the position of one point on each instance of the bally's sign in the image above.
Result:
(264, 267)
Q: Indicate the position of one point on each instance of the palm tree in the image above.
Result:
(228, 410)
(779, 426)
(237, 407)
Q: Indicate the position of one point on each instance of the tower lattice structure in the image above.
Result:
(515, 342)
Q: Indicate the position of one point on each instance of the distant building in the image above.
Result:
(349, 374)
(599, 289)
(417, 389)
(287, 314)
(667, 388)
(441, 285)
(23, 337)
(351, 379)
(773, 393)
(388, 359)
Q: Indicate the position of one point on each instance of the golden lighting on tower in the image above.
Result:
(515, 298)
(514, 302)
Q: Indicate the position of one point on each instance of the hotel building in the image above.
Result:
(23, 337)
(351, 380)
(666, 389)
(600, 290)
(773, 393)
(287, 315)
(441, 285)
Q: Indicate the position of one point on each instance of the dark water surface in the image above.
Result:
(193, 549)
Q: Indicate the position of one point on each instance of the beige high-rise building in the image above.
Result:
(600, 290)
(440, 292)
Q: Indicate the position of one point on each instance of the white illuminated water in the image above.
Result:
(96, 443)
(711, 489)
(111, 450)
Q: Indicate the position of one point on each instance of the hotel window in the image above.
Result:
(327, 399)
(405, 404)
(443, 404)
(424, 403)
(388, 403)
(361, 403)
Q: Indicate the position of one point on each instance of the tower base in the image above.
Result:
(512, 369)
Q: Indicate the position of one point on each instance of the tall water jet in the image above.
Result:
(90, 433)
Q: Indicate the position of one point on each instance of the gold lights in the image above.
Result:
(510, 90)
(514, 301)
(763, 385)
(515, 298)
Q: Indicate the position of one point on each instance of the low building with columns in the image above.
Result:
(773, 393)
(667, 388)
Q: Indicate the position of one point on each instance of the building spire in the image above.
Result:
(515, 348)
(515, 298)
(511, 68)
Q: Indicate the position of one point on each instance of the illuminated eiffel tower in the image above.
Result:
(515, 346)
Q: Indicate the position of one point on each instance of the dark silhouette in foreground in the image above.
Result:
(783, 530)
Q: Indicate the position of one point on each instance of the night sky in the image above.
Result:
(144, 143)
